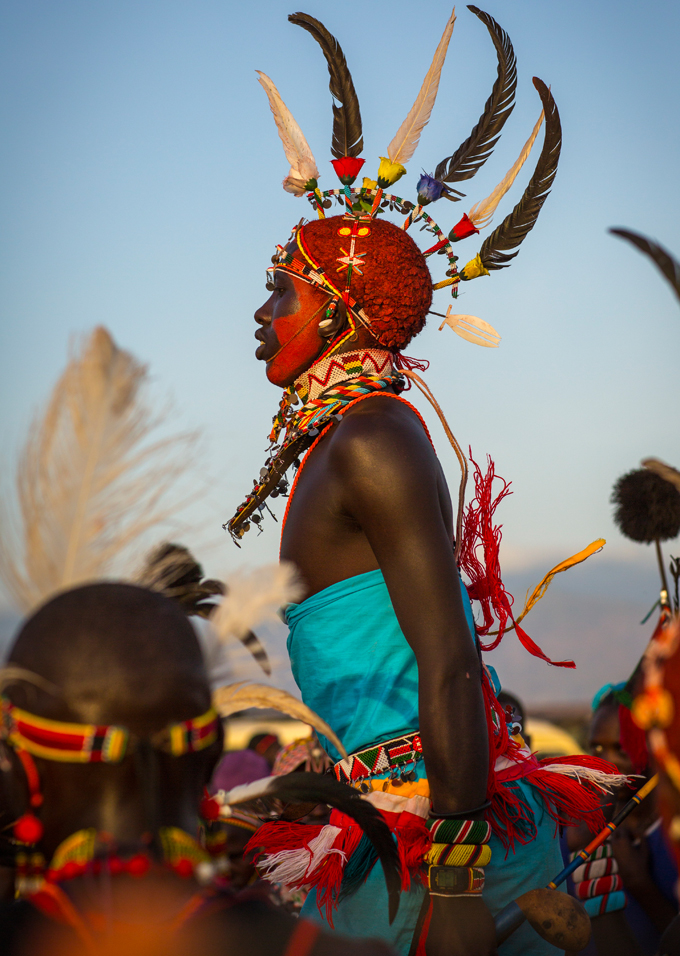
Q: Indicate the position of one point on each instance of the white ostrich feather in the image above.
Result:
(254, 597)
(481, 212)
(89, 483)
(242, 695)
(302, 163)
(404, 144)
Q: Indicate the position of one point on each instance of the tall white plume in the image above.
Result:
(302, 163)
(89, 482)
(254, 597)
(235, 697)
(481, 212)
(404, 144)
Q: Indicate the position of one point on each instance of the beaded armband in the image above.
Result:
(598, 884)
(455, 881)
(607, 903)
(458, 854)
(442, 830)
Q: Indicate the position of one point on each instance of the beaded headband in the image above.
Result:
(365, 203)
(91, 743)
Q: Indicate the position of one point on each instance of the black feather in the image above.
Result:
(347, 137)
(647, 507)
(495, 248)
(664, 261)
(322, 788)
(474, 152)
(174, 571)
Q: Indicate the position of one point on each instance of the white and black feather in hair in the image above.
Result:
(172, 570)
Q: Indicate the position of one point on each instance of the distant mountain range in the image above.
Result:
(591, 614)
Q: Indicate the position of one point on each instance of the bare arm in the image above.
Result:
(392, 488)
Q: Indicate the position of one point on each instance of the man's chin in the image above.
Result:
(278, 376)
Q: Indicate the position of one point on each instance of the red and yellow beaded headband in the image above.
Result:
(366, 202)
(92, 743)
(32, 736)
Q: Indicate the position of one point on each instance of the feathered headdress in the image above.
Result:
(371, 199)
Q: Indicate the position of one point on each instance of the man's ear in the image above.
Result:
(330, 327)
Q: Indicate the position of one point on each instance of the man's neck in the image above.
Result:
(340, 367)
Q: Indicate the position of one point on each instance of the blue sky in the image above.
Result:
(140, 188)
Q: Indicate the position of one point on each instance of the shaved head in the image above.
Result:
(116, 654)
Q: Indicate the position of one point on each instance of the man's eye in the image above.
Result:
(280, 289)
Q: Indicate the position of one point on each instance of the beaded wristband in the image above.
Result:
(609, 903)
(459, 831)
(455, 881)
(602, 851)
(588, 889)
(458, 854)
(591, 871)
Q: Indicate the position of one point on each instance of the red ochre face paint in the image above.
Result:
(289, 328)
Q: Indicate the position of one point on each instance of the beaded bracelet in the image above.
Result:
(455, 881)
(609, 903)
(458, 854)
(591, 871)
(459, 831)
(598, 887)
(601, 852)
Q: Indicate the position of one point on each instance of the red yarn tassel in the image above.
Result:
(568, 800)
(280, 835)
(510, 817)
(413, 842)
(405, 361)
(486, 585)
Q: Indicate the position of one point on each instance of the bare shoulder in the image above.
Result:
(379, 424)
(380, 444)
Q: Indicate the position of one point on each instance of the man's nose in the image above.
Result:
(263, 316)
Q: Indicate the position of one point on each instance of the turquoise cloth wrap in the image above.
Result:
(355, 668)
(353, 664)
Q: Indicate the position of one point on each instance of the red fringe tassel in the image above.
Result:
(407, 362)
(486, 586)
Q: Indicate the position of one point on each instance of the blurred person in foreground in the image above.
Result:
(635, 873)
(109, 738)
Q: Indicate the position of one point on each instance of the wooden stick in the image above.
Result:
(511, 917)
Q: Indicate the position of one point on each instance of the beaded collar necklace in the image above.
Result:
(325, 389)
(88, 851)
(93, 854)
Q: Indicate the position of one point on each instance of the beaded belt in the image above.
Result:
(390, 755)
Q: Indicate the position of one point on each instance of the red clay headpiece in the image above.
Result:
(391, 283)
